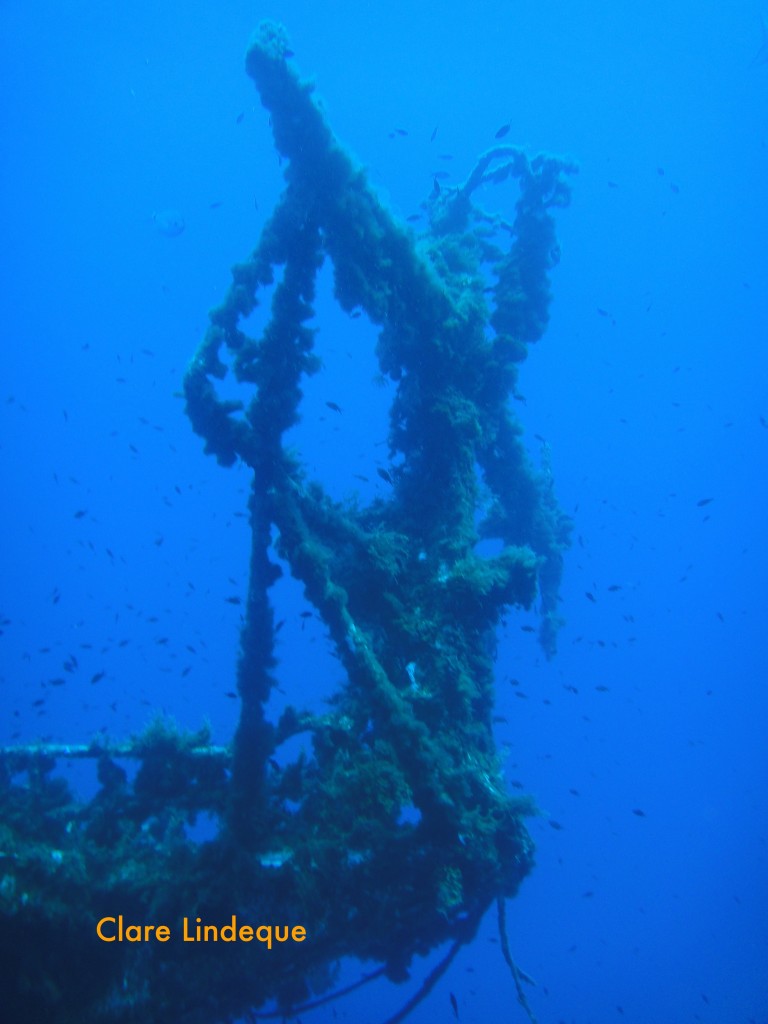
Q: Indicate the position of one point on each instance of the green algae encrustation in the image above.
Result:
(396, 834)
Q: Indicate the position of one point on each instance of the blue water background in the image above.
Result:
(121, 541)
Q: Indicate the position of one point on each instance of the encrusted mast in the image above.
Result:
(409, 605)
(397, 833)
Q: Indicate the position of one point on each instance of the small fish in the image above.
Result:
(231, 694)
(436, 190)
(602, 689)
(614, 587)
(400, 131)
(97, 677)
(504, 130)
(636, 811)
(433, 136)
(334, 406)
(239, 118)
(169, 223)
(384, 475)
(233, 600)
(590, 597)
(81, 512)
(454, 1005)
(703, 501)
(555, 825)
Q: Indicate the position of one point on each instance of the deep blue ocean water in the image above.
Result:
(137, 166)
